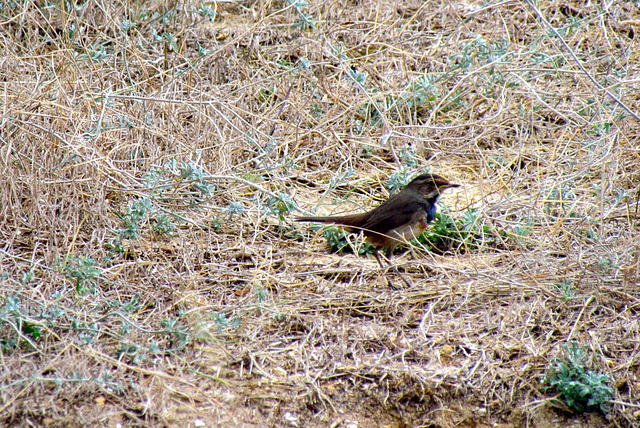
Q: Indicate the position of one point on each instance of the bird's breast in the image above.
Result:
(410, 231)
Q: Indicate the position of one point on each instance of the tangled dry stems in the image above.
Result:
(204, 305)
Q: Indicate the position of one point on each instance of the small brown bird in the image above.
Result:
(399, 219)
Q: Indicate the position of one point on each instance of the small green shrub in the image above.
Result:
(397, 180)
(280, 206)
(566, 288)
(15, 329)
(83, 271)
(305, 21)
(339, 243)
(446, 233)
(234, 208)
(443, 233)
(131, 221)
(580, 389)
(206, 11)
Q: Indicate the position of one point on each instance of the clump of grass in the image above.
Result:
(206, 11)
(580, 389)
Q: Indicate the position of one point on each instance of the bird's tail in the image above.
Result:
(342, 220)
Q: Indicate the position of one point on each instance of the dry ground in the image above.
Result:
(154, 153)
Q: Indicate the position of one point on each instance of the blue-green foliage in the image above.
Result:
(580, 389)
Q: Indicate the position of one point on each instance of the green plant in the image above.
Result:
(560, 202)
(177, 332)
(96, 52)
(579, 388)
(194, 174)
(566, 288)
(408, 156)
(216, 224)
(470, 232)
(359, 78)
(397, 180)
(131, 221)
(83, 271)
(280, 206)
(27, 277)
(206, 11)
(475, 230)
(163, 225)
(202, 51)
(305, 21)
(422, 92)
(171, 42)
(261, 294)
(266, 95)
(11, 314)
(133, 304)
(338, 242)
(444, 233)
(605, 265)
(480, 52)
(520, 233)
(221, 321)
(234, 208)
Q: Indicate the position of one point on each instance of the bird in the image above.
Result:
(398, 220)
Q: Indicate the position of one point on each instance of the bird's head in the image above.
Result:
(430, 185)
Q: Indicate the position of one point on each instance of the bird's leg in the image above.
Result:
(389, 283)
(375, 253)
(394, 267)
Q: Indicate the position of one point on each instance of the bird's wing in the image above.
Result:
(389, 216)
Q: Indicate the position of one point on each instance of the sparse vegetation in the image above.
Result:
(153, 155)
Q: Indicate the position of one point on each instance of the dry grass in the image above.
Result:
(147, 151)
